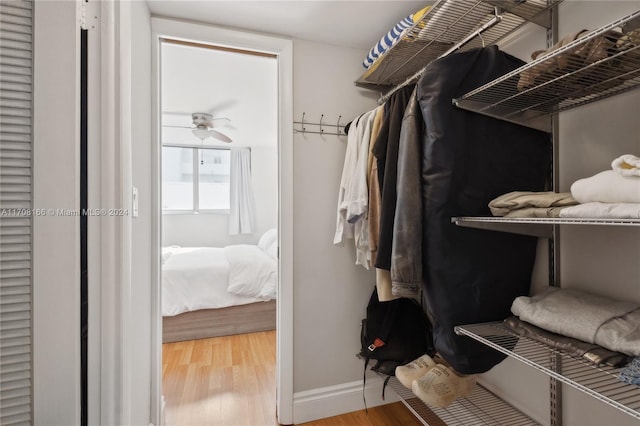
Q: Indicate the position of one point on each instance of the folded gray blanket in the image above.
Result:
(612, 324)
(577, 348)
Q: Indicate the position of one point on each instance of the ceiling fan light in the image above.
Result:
(201, 133)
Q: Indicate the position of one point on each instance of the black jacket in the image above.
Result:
(452, 162)
(386, 152)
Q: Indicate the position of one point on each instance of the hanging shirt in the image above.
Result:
(344, 228)
(358, 209)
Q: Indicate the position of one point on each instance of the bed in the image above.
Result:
(218, 291)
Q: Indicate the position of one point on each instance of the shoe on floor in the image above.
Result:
(407, 373)
(438, 387)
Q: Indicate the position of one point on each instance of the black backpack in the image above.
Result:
(394, 333)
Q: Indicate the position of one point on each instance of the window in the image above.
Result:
(195, 179)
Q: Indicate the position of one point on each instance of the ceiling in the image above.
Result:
(240, 87)
(198, 80)
(357, 24)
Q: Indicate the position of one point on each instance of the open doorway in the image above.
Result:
(220, 174)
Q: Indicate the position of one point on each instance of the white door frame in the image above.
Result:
(283, 49)
(56, 239)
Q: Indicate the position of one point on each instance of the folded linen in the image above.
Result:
(392, 37)
(631, 373)
(577, 348)
(627, 165)
(583, 316)
(603, 210)
(607, 187)
(621, 334)
(509, 204)
(535, 212)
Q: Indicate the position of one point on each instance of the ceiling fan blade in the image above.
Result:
(230, 126)
(218, 122)
(176, 113)
(178, 127)
(222, 106)
(220, 136)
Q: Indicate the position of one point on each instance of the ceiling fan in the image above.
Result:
(204, 124)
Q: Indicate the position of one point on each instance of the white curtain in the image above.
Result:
(241, 215)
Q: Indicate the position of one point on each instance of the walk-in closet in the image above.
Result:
(565, 89)
(476, 159)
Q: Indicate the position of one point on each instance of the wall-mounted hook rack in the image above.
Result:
(320, 127)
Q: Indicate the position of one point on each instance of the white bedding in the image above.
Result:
(208, 277)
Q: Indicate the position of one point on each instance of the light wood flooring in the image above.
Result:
(230, 381)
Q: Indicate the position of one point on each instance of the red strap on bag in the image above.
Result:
(377, 342)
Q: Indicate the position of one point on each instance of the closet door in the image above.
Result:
(15, 212)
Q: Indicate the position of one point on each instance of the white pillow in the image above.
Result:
(268, 239)
(167, 252)
(272, 250)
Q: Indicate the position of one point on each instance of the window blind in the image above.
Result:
(16, 64)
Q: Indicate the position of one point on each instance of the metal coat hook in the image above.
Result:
(321, 126)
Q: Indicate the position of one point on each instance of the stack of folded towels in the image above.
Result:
(434, 382)
(613, 325)
(611, 194)
(610, 323)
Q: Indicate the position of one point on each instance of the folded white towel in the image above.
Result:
(627, 165)
(607, 187)
(570, 312)
(595, 210)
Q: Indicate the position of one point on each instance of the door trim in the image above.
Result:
(55, 239)
(283, 49)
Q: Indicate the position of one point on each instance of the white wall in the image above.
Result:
(141, 226)
(212, 230)
(330, 291)
(602, 260)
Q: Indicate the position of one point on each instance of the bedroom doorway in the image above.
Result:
(223, 164)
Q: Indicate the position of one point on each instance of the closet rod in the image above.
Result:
(497, 18)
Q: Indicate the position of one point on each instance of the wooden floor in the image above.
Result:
(230, 381)
(395, 414)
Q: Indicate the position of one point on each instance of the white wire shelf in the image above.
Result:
(480, 408)
(600, 382)
(603, 63)
(539, 227)
(451, 24)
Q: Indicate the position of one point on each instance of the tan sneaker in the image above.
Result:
(407, 373)
(465, 384)
(437, 388)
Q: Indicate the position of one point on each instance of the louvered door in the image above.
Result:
(15, 212)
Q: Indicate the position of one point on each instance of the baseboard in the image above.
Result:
(331, 401)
